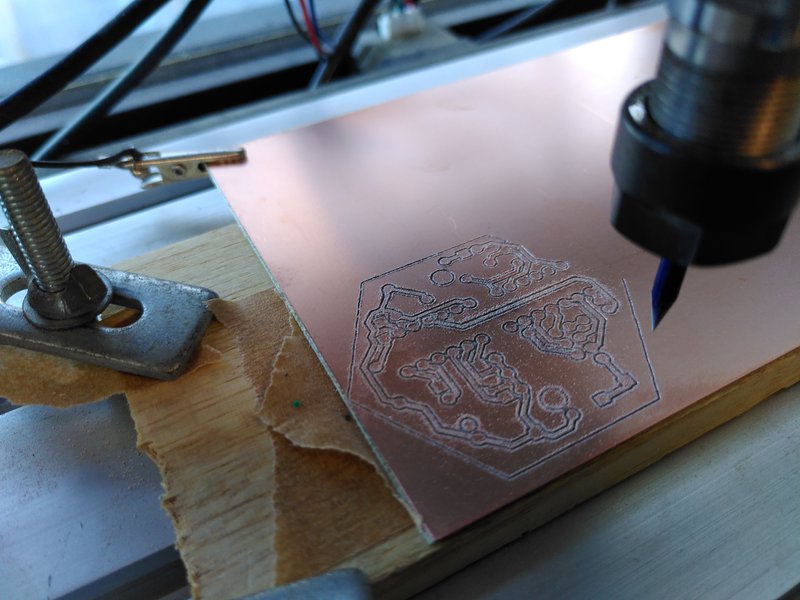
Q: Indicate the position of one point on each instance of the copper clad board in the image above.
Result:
(451, 260)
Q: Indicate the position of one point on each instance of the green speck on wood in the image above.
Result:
(296, 404)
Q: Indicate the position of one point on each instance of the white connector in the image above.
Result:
(395, 24)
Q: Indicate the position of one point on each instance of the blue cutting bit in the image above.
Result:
(666, 288)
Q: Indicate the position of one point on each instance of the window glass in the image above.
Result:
(31, 29)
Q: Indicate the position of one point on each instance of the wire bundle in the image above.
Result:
(528, 16)
(112, 94)
(331, 56)
(312, 32)
(77, 62)
(54, 79)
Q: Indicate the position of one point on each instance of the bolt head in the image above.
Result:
(10, 159)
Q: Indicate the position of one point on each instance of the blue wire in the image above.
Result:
(313, 9)
(526, 16)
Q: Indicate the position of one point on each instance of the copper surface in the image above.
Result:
(451, 260)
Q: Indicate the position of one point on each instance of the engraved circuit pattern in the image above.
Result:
(573, 325)
(492, 354)
(470, 367)
(516, 267)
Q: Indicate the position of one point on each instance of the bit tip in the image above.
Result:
(666, 288)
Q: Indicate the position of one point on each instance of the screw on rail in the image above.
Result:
(61, 293)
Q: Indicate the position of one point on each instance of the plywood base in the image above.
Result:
(265, 477)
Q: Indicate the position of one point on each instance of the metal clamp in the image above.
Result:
(344, 584)
(60, 313)
(154, 169)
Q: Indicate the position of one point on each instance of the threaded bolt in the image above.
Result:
(35, 229)
(61, 293)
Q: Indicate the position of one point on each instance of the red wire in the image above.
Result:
(312, 34)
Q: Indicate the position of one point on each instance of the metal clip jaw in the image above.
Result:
(154, 169)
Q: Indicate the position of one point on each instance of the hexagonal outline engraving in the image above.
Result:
(593, 298)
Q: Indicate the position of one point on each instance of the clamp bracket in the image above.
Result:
(158, 344)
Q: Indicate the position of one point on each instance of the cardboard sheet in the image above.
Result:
(450, 258)
(302, 405)
(330, 499)
(330, 506)
(40, 379)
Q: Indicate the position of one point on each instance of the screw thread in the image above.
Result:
(32, 222)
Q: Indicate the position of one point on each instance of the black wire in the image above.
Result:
(345, 38)
(100, 107)
(297, 27)
(52, 81)
(109, 161)
(528, 16)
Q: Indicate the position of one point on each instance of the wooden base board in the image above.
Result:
(403, 563)
(220, 466)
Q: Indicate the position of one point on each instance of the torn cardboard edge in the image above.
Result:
(71, 383)
(301, 404)
(295, 396)
(311, 427)
(280, 368)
